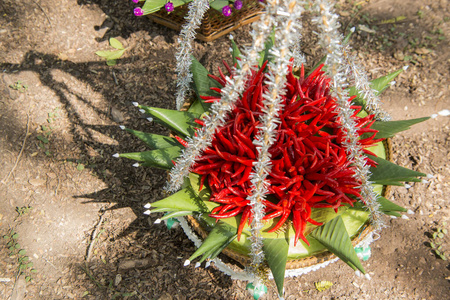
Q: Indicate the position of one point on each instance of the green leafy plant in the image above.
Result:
(19, 86)
(23, 210)
(437, 240)
(313, 222)
(25, 265)
(112, 56)
(46, 131)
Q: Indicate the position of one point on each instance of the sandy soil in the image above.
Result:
(77, 211)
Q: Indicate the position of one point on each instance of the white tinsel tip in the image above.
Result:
(410, 212)
(392, 82)
(407, 186)
(147, 212)
(136, 165)
(358, 273)
(231, 37)
(157, 221)
(405, 217)
(352, 29)
(150, 119)
(135, 104)
(117, 155)
(197, 264)
(424, 181)
(122, 127)
(434, 116)
(444, 113)
(208, 263)
(368, 276)
(429, 176)
(187, 263)
(405, 68)
(147, 206)
(393, 217)
(142, 111)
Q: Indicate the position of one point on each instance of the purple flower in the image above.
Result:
(226, 11)
(169, 6)
(138, 11)
(238, 4)
(135, 1)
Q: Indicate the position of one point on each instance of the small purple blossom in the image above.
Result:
(135, 1)
(138, 11)
(238, 4)
(226, 11)
(169, 6)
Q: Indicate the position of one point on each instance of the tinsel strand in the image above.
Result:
(331, 40)
(363, 87)
(286, 14)
(216, 118)
(299, 58)
(197, 9)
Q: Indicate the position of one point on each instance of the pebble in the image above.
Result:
(117, 280)
(36, 182)
(117, 115)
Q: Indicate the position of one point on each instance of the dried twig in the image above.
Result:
(40, 7)
(21, 151)
(94, 235)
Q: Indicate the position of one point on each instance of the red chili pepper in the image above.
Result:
(245, 216)
(181, 141)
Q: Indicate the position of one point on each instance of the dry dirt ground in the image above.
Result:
(77, 212)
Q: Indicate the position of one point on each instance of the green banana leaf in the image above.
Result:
(334, 236)
(160, 158)
(154, 141)
(197, 107)
(265, 54)
(236, 53)
(390, 128)
(387, 173)
(182, 122)
(220, 249)
(176, 214)
(151, 6)
(202, 83)
(380, 84)
(183, 200)
(276, 253)
(205, 192)
(386, 206)
(219, 235)
(218, 4)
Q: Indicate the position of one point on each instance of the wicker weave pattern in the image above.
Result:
(214, 24)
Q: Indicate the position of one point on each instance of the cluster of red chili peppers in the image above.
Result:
(310, 168)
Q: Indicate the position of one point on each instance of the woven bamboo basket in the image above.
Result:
(307, 261)
(214, 24)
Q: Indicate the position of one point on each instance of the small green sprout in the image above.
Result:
(25, 265)
(112, 56)
(436, 243)
(23, 210)
(19, 86)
